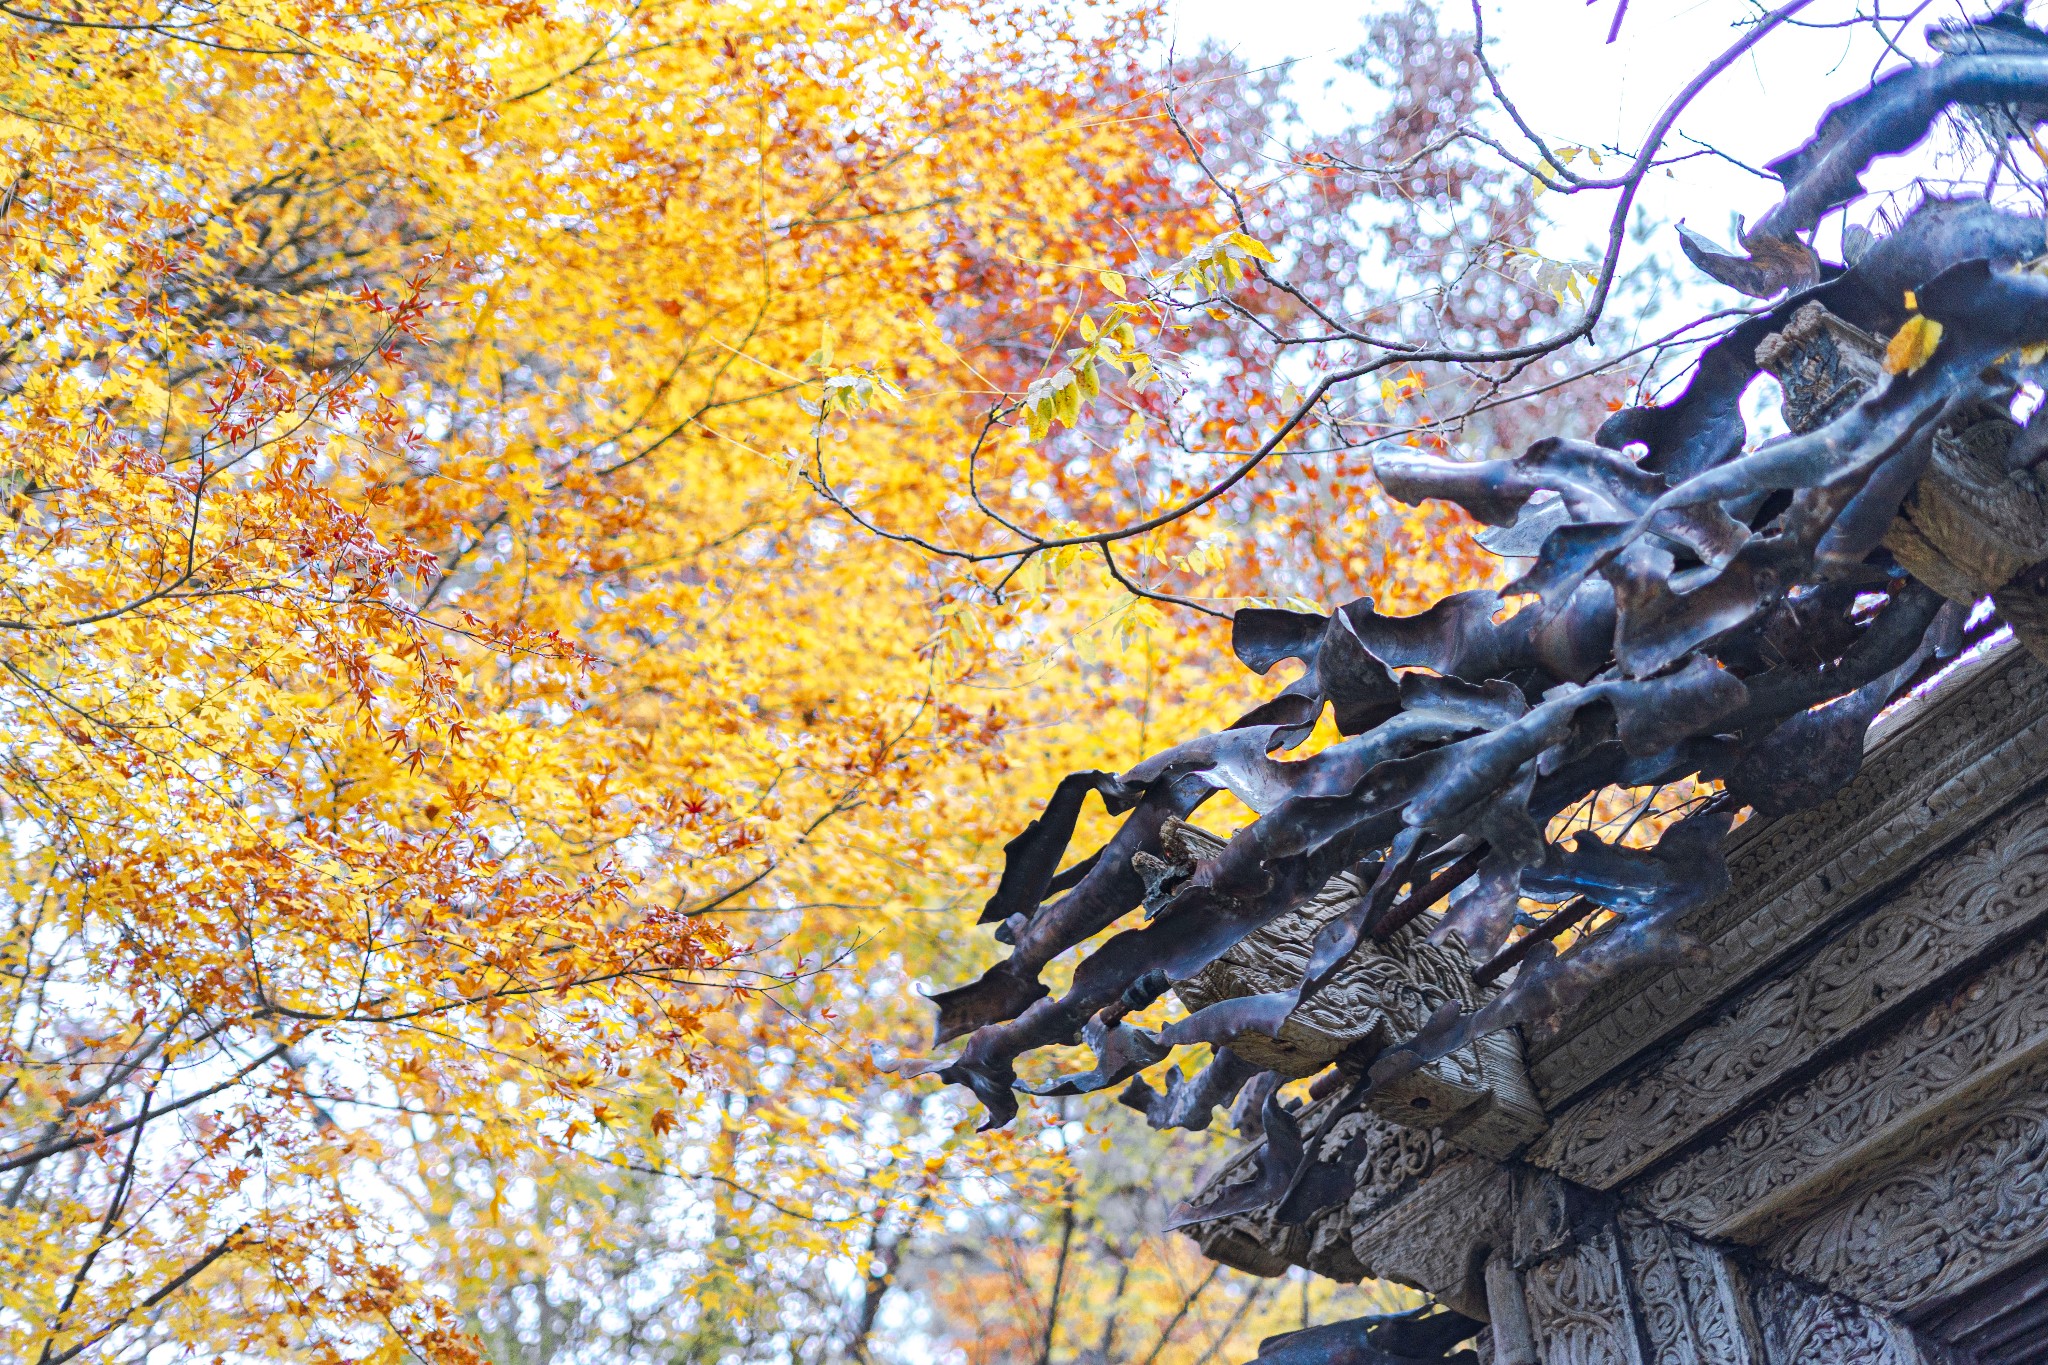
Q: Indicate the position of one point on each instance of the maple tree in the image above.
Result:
(808, 1166)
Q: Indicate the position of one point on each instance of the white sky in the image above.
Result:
(1573, 86)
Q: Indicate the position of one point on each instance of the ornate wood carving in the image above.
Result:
(1820, 1329)
(1373, 995)
(1949, 915)
(1970, 1202)
(1970, 526)
(1854, 1129)
(1436, 1239)
(1397, 1158)
(1579, 1304)
(1510, 1339)
(1546, 1210)
(1805, 1144)
(1927, 784)
(1385, 992)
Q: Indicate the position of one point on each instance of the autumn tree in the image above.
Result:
(1053, 1246)
(425, 665)
(836, 1208)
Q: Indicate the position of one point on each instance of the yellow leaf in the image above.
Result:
(1252, 246)
(1911, 346)
(1112, 281)
(1067, 400)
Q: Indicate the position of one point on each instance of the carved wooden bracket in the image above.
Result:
(1479, 1097)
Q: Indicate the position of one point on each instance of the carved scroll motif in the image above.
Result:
(1806, 1143)
(1819, 1329)
(1691, 1297)
(1424, 1218)
(1436, 1237)
(1971, 1202)
(1971, 525)
(1579, 1305)
(1959, 908)
(1986, 742)
(1397, 1159)
(1384, 993)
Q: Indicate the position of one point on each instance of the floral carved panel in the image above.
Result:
(1579, 1305)
(1953, 912)
(1809, 1142)
(1972, 1201)
(1690, 1297)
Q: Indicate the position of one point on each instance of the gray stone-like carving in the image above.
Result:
(1579, 1304)
(1396, 1158)
(1803, 1328)
(1785, 1159)
(1374, 995)
(1958, 909)
(1438, 1237)
(1545, 1210)
(1480, 1095)
(1970, 1202)
(1802, 1146)
(1970, 527)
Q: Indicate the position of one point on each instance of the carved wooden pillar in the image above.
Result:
(1511, 1337)
(1575, 1288)
(1692, 1297)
